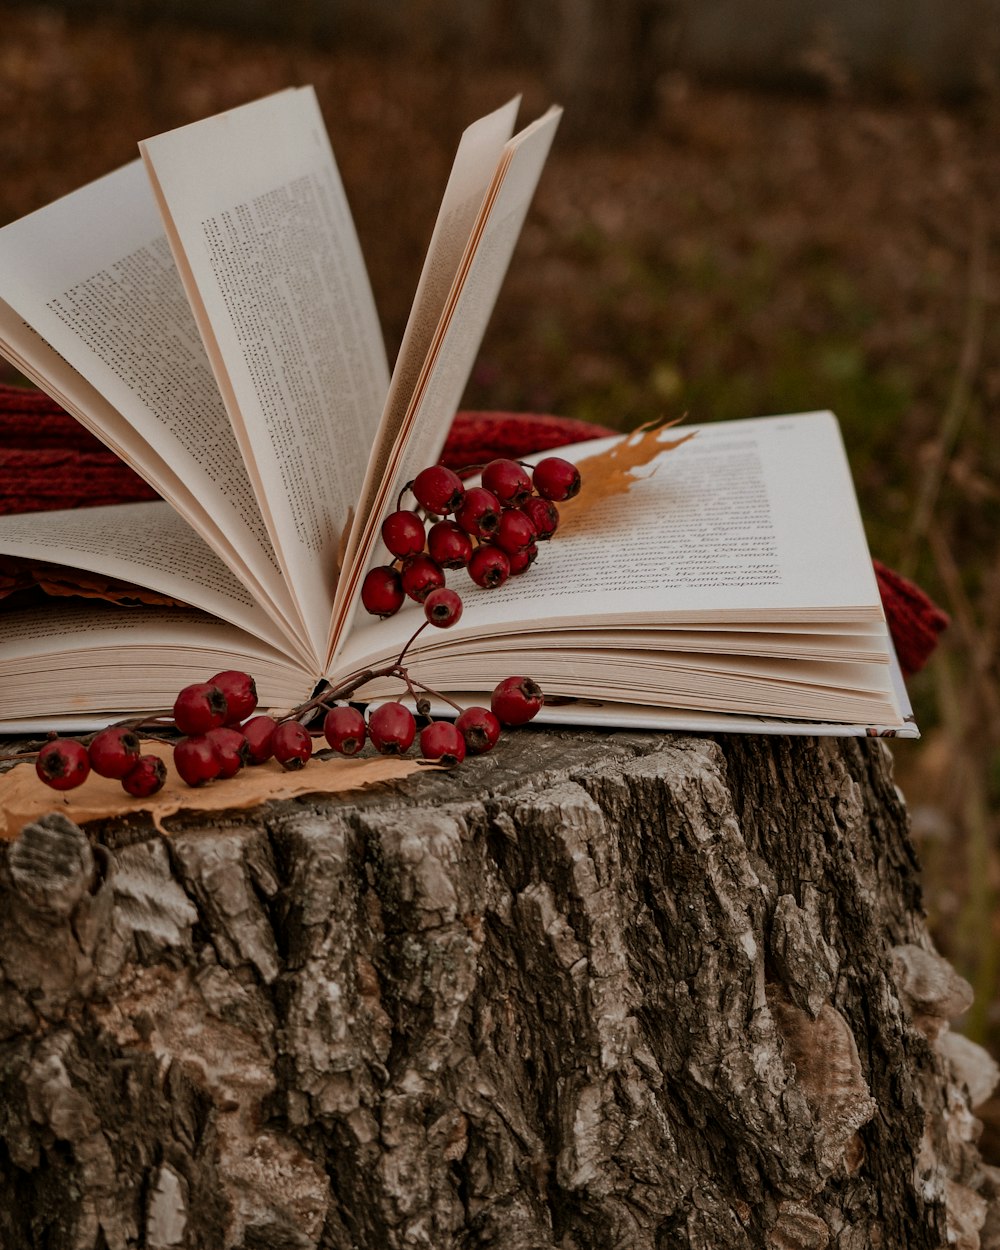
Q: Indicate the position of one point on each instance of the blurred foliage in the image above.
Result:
(739, 253)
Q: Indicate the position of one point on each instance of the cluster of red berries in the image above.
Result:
(219, 740)
(222, 735)
(492, 530)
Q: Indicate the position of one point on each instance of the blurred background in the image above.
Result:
(753, 206)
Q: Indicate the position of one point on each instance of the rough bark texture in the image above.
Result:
(586, 992)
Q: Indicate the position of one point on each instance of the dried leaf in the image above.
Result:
(23, 797)
(612, 472)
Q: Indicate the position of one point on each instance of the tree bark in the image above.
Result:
(585, 992)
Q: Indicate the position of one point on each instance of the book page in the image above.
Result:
(456, 341)
(260, 225)
(746, 521)
(96, 662)
(93, 275)
(473, 170)
(147, 545)
(29, 352)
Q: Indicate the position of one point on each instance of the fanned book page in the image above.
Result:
(259, 224)
(93, 277)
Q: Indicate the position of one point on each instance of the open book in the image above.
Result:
(206, 312)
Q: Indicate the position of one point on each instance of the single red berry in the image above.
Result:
(114, 752)
(516, 700)
(147, 776)
(403, 533)
(480, 729)
(555, 478)
(392, 728)
(449, 545)
(438, 489)
(516, 531)
(440, 740)
(442, 607)
(480, 514)
(508, 481)
(240, 691)
(258, 734)
(522, 560)
(420, 576)
(543, 515)
(344, 729)
(292, 745)
(200, 707)
(63, 764)
(197, 760)
(382, 591)
(489, 566)
(231, 748)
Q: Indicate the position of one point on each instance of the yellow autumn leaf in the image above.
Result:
(612, 472)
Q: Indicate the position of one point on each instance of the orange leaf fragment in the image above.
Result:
(23, 797)
(612, 472)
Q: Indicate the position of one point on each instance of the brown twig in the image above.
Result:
(958, 400)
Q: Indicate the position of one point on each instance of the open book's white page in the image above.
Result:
(776, 644)
(26, 349)
(144, 544)
(264, 240)
(97, 661)
(472, 173)
(747, 520)
(457, 338)
(93, 275)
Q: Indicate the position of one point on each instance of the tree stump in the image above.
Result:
(590, 991)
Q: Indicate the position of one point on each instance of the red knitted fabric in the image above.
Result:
(48, 460)
(914, 620)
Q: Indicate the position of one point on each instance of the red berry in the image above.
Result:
(543, 515)
(441, 740)
(420, 576)
(240, 691)
(146, 777)
(403, 533)
(516, 531)
(442, 607)
(480, 514)
(516, 700)
(258, 734)
(508, 481)
(555, 478)
(292, 745)
(449, 545)
(231, 748)
(480, 729)
(392, 728)
(489, 566)
(344, 728)
(63, 764)
(522, 560)
(114, 752)
(197, 760)
(438, 489)
(200, 707)
(382, 591)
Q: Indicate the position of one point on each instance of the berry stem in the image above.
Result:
(436, 694)
(417, 633)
